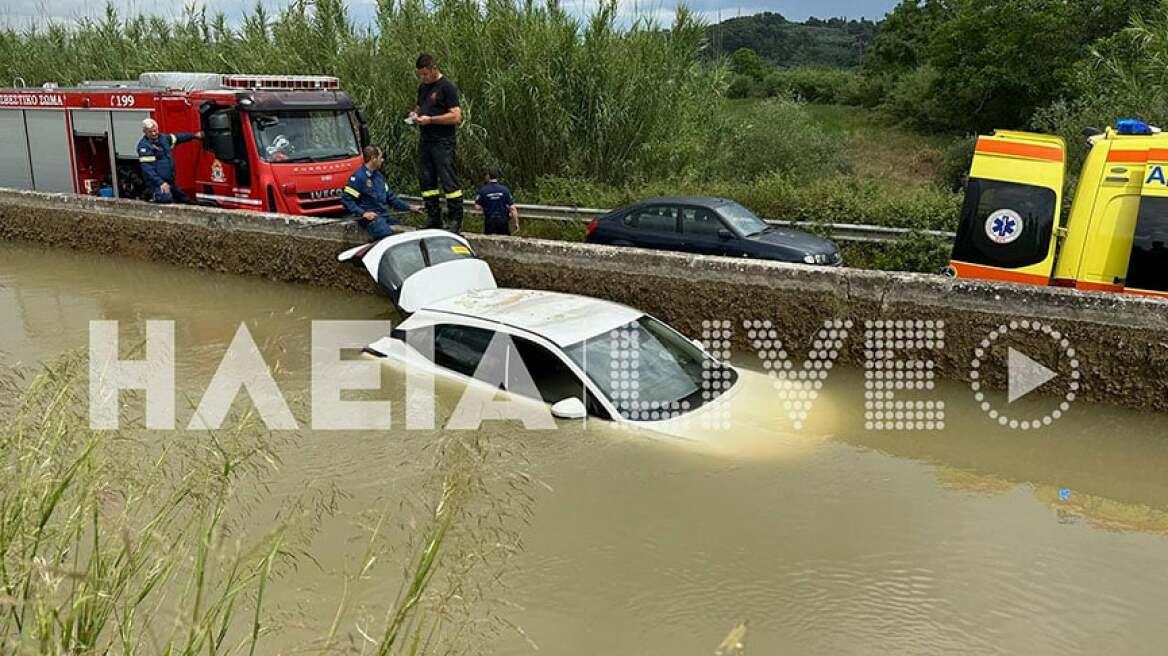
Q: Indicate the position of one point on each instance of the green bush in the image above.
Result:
(956, 161)
(741, 86)
(779, 136)
(814, 84)
(746, 62)
(913, 100)
(869, 89)
(778, 85)
(919, 253)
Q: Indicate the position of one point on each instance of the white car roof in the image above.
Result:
(564, 319)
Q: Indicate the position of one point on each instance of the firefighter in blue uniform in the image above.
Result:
(156, 157)
(368, 196)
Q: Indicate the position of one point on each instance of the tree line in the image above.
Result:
(964, 66)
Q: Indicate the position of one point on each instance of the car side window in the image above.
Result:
(656, 218)
(461, 348)
(553, 379)
(700, 221)
(399, 263)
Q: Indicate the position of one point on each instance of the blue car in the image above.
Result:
(710, 226)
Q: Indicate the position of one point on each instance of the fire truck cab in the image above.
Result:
(273, 143)
(1116, 235)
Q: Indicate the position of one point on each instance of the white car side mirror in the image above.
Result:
(569, 408)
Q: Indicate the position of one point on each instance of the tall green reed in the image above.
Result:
(111, 542)
(544, 93)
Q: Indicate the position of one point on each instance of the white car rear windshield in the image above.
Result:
(649, 371)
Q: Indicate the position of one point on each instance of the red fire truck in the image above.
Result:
(271, 142)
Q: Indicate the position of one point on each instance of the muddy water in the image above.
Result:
(834, 540)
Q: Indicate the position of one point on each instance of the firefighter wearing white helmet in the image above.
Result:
(156, 157)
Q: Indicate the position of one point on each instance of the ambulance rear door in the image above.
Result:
(1011, 212)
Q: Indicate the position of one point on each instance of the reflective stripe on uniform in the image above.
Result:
(352, 192)
(429, 193)
(173, 139)
(455, 194)
(148, 158)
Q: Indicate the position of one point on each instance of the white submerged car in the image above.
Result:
(584, 356)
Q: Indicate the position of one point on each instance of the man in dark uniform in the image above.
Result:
(498, 208)
(156, 158)
(368, 196)
(438, 115)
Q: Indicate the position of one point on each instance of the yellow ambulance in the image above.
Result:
(1116, 237)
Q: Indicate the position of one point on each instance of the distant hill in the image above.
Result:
(816, 42)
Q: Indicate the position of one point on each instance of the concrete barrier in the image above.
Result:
(1121, 342)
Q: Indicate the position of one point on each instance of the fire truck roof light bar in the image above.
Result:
(281, 82)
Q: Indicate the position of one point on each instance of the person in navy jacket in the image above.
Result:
(156, 158)
(368, 196)
(497, 205)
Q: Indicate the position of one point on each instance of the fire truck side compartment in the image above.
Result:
(15, 167)
(49, 141)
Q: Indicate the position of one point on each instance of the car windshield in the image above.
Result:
(745, 222)
(649, 371)
(304, 136)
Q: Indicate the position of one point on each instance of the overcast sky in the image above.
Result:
(19, 12)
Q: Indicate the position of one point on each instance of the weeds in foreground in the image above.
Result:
(109, 542)
(130, 542)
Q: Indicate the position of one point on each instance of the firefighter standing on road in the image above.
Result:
(156, 157)
(368, 196)
(438, 115)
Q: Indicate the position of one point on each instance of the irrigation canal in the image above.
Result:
(975, 539)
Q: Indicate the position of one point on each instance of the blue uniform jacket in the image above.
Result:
(156, 158)
(368, 191)
(496, 201)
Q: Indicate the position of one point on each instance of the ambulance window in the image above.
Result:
(1148, 268)
(1005, 224)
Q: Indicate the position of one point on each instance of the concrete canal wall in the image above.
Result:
(1120, 342)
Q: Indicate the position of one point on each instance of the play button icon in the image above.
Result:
(1025, 375)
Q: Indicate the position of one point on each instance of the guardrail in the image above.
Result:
(853, 232)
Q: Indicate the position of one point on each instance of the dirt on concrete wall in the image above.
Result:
(1119, 343)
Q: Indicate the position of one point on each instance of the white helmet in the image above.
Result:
(280, 144)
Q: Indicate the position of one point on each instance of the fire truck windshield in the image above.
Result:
(316, 136)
